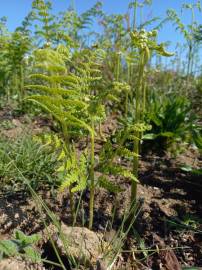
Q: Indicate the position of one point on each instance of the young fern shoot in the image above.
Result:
(145, 42)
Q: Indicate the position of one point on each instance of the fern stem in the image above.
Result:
(21, 82)
(126, 105)
(72, 207)
(102, 136)
(68, 155)
(127, 94)
(144, 89)
(92, 178)
(135, 14)
(137, 134)
(135, 169)
(118, 66)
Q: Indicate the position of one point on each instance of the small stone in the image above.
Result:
(17, 216)
(83, 244)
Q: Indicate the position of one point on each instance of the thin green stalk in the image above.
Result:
(8, 95)
(22, 92)
(21, 82)
(144, 98)
(137, 133)
(71, 200)
(67, 151)
(118, 66)
(126, 100)
(135, 14)
(92, 177)
(154, 249)
(135, 169)
(52, 263)
(189, 60)
(102, 136)
(141, 16)
(126, 105)
(144, 89)
(77, 209)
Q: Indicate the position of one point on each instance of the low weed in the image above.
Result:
(171, 119)
(21, 245)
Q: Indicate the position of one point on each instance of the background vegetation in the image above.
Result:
(57, 69)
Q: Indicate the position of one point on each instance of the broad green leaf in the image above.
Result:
(32, 254)
(149, 136)
(26, 239)
(8, 247)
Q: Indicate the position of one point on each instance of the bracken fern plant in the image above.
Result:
(145, 43)
(68, 93)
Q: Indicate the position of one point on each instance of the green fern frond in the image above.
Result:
(48, 139)
(64, 51)
(124, 152)
(112, 98)
(59, 102)
(51, 68)
(133, 137)
(46, 104)
(42, 77)
(51, 105)
(81, 185)
(105, 183)
(62, 155)
(130, 175)
(119, 170)
(121, 87)
(74, 172)
(74, 121)
(69, 180)
(141, 127)
(51, 90)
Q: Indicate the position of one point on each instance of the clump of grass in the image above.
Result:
(36, 161)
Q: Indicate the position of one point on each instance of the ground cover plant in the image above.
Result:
(35, 160)
(100, 148)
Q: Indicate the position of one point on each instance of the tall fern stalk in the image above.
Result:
(138, 116)
(68, 154)
(145, 43)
